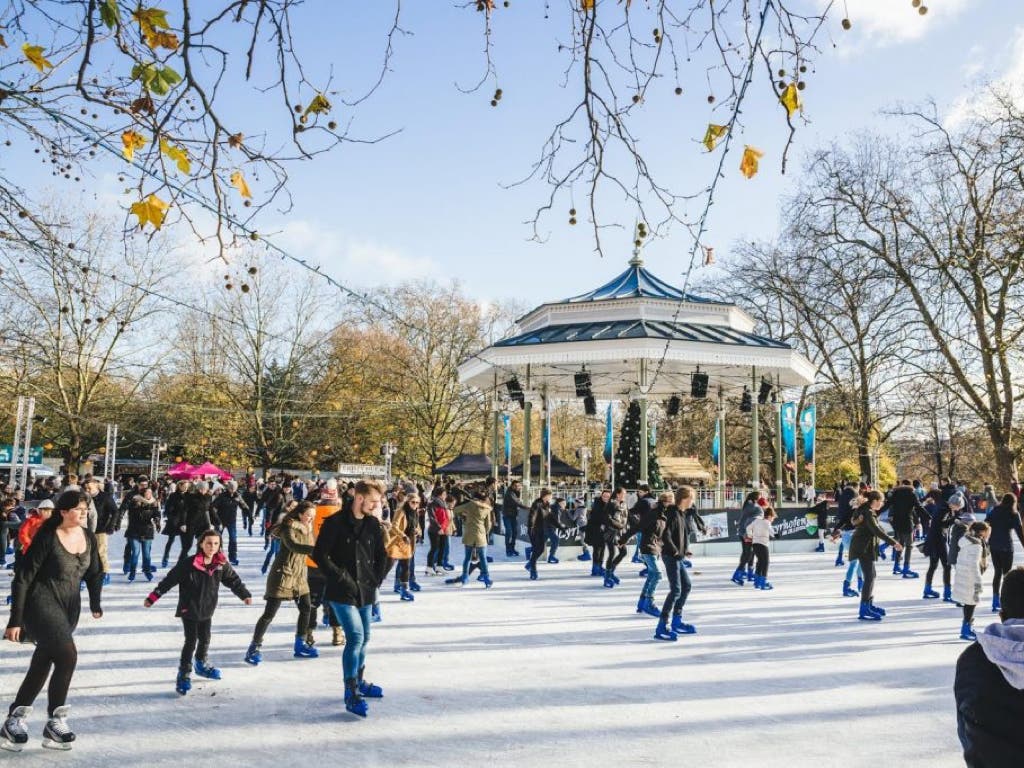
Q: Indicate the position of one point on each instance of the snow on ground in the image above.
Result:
(558, 672)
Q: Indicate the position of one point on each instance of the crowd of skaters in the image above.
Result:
(333, 545)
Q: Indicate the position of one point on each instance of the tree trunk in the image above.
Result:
(1006, 460)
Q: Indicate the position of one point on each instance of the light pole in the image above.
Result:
(388, 450)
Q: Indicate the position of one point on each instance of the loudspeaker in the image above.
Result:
(764, 392)
(674, 403)
(590, 405)
(699, 385)
(582, 381)
(746, 403)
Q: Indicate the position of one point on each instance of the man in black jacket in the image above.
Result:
(196, 518)
(226, 507)
(594, 532)
(108, 521)
(905, 515)
(989, 686)
(349, 551)
(511, 505)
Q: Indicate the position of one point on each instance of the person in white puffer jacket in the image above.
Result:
(971, 563)
(760, 533)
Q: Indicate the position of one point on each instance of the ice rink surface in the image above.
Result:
(557, 672)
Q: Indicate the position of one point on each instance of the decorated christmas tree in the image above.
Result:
(627, 457)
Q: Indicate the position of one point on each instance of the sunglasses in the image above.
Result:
(414, 503)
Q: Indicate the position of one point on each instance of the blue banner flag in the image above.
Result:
(508, 438)
(789, 430)
(716, 443)
(808, 423)
(608, 435)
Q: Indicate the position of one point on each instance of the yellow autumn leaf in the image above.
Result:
(156, 39)
(748, 164)
(150, 211)
(34, 54)
(3, 42)
(713, 134)
(235, 140)
(319, 105)
(176, 154)
(131, 141)
(238, 180)
(587, 5)
(790, 99)
(151, 19)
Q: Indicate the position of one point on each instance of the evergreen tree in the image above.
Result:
(627, 457)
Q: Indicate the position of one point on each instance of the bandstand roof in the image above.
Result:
(635, 333)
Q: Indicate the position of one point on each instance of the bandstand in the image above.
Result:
(638, 338)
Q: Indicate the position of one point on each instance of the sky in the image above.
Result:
(431, 201)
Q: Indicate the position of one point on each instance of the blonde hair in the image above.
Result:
(666, 498)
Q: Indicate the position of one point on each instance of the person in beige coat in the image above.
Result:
(288, 580)
(476, 516)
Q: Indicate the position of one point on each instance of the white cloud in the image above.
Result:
(878, 23)
(352, 260)
(1010, 81)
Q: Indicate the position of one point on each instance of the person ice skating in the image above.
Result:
(864, 548)
(906, 515)
(675, 542)
(552, 526)
(328, 505)
(761, 533)
(971, 564)
(400, 545)
(594, 530)
(820, 511)
(143, 521)
(616, 520)
(275, 543)
(535, 526)
(350, 552)
(476, 522)
(288, 581)
(846, 501)
(750, 511)
(651, 527)
(108, 522)
(844, 532)
(198, 579)
(438, 525)
(989, 686)
(1005, 521)
(195, 517)
(45, 608)
(174, 518)
(935, 547)
(226, 507)
(511, 506)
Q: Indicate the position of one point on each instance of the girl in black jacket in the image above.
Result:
(198, 579)
(143, 520)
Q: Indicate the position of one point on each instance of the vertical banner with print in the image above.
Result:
(789, 430)
(808, 423)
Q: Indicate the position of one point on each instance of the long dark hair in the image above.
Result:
(67, 500)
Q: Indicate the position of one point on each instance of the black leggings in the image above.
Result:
(437, 544)
(317, 582)
(746, 555)
(63, 657)
(170, 542)
(537, 542)
(197, 642)
(933, 563)
(615, 555)
(761, 552)
(598, 546)
(1002, 562)
(906, 538)
(969, 613)
(867, 566)
(270, 611)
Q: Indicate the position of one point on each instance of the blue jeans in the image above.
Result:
(511, 524)
(231, 532)
(679, 585)
(145, 546)
(275, 547)
(551, 534)
(653, 575)
(482, 553)
(854, 566)
(356, 624)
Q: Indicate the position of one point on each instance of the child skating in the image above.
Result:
(198, 578)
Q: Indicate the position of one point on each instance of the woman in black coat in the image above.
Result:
(1005, 521)
(198, 578)
(45, 607)
(143, 520)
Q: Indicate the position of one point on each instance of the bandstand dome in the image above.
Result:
(622, 333)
